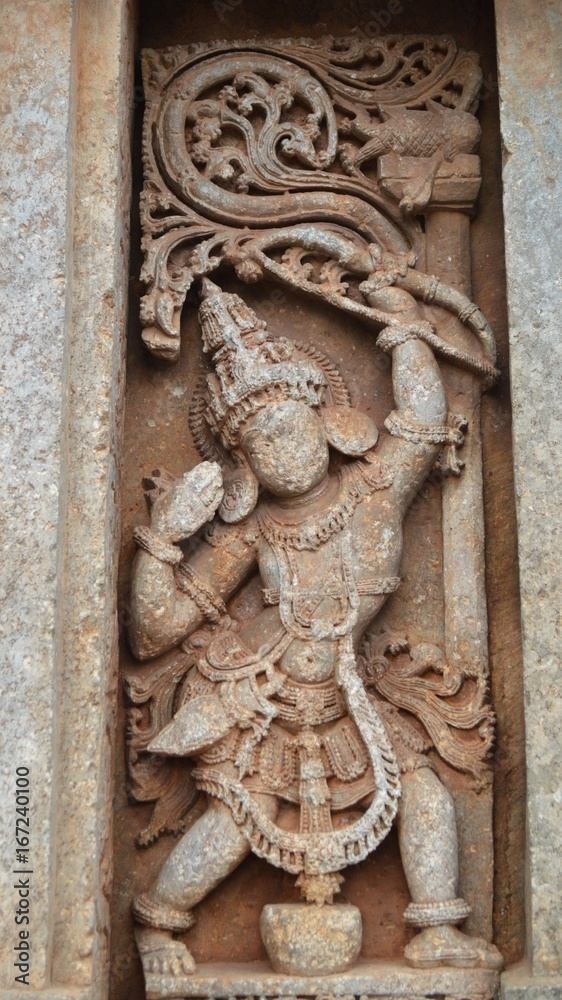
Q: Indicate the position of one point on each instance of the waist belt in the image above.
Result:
(308, 705)
(369, 586)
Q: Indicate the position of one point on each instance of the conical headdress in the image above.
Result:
(252, 369)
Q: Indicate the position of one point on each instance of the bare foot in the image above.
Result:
(445, 945)
(161, 954)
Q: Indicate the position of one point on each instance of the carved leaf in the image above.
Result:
(331, 277)
(293, 263)
(165, 781)
(286, 135)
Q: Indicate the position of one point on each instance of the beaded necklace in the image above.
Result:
(357, 481)
(298, 603)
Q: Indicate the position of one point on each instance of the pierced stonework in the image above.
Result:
(310, 728)
(205, 192)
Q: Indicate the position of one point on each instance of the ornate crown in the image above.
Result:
(252, 369)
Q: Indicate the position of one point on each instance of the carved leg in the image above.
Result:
(205, 855)
(427, 832)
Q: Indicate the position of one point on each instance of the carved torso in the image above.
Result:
(319, 590)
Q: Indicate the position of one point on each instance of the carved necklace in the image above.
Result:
(298, 603)
(357, 481)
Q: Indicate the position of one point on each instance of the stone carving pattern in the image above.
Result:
(364, 996)
(245, 167)
(226, 138)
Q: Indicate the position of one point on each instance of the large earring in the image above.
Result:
(240, 492)
(350, 431)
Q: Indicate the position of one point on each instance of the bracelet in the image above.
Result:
(398, 426)
(430, 291)
(394, 336)
(164, 551)
(468, 311)
(211, 607)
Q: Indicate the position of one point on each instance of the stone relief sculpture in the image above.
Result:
(307, 728)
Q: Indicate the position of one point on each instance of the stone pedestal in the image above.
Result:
(456, 184)
(373, 979)
(308, 940)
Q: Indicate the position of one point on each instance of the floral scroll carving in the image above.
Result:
(244, 140)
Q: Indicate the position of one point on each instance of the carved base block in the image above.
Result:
(304, 940)
(456, 184)
(383, 980)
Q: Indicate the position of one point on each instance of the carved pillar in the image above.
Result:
(35, 276)
(466, 621)
(66, 92)
(529, 36)
(447, 256)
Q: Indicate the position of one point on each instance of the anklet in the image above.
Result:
(150, 913)
(450, 911)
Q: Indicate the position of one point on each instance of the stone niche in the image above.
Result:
(378, 115)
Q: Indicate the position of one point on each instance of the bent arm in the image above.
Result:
(161, 614)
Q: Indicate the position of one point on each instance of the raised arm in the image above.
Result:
(418, 424)
(170, 596)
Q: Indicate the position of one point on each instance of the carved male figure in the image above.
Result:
(299, 763)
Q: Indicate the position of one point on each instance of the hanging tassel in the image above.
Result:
(314, 793)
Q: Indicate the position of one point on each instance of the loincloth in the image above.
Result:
(271, 765)
(317, 749)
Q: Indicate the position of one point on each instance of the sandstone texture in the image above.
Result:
(35, 160)
(373, 979)
(529, 37)
(67, 79)
(308, 940)
(65, 114)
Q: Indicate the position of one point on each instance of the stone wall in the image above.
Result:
(528, 37)
(67, 76)
(67, 80)
(37, 157)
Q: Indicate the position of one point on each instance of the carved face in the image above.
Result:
(286, 447)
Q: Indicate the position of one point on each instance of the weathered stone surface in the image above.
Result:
(57, 13)
(529, 38)
(65, 133)
(519, 984)
(97, 312)
(35, 161)
(373, 979)
(307, 940)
